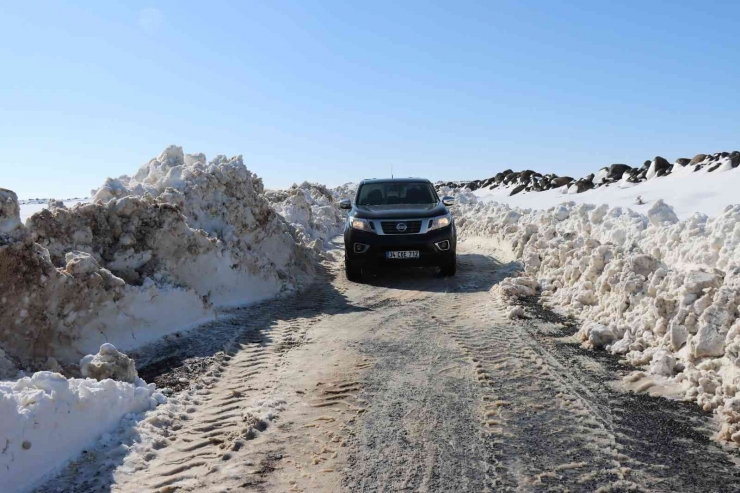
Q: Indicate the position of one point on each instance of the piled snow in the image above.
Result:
(47, 419)
(660, 291)
(154, 253)
(346, 191)
(313, 210)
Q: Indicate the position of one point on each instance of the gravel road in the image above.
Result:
(408, 382)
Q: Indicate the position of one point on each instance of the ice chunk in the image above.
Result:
(661, 213)
(108, 363)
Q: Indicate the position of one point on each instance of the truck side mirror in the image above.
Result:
(448, 201)
(345, 204)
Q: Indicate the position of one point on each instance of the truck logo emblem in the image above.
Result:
(401, 227)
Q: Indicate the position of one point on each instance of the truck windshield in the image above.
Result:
(395, 193)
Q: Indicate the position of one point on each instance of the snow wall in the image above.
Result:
(153, 253)
(661, 292)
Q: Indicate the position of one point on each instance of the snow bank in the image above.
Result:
(48, 419)
(154, 253)
(660, 291)
(313, 210)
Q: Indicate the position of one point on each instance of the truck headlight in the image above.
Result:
(360, 224)
(440, 222)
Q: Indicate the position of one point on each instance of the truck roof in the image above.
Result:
(395, 180)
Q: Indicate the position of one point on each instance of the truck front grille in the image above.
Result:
(391, 227)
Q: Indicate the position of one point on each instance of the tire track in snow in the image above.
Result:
(545, 434)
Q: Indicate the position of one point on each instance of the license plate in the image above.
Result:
(402, 255)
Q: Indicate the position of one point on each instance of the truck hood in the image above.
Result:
(399, 211)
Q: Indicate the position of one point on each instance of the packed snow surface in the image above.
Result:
(47, 419)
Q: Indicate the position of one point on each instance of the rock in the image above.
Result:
(661, 162)
(683, 161)
(698, 158)
(583, 185)
(526, 174)
(656, 166)
(617, 170)
(517, 190)
(510, 178)
(108, 363)
(560, 181)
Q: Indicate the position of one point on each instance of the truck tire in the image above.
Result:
(449, 267)
(352, 271)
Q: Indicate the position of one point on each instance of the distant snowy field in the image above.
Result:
(687, 192)
(31, 207)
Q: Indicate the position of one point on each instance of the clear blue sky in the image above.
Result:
(336, 91)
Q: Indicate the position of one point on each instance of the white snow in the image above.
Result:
(48, 419)
(661, 291)
(313, 210)
(687, 191)
(155, 253)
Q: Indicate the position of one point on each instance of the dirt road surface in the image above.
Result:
(408, 382)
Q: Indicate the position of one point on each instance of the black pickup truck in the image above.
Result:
(398, 221)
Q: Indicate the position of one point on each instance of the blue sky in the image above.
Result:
(337, 91)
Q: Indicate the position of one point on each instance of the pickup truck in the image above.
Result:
(398, 221)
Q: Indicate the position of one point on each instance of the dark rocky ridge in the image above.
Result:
(531, 181)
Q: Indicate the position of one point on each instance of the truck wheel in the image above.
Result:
(352, 271)
(449, 267)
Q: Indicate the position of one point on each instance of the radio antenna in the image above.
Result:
(391, 170)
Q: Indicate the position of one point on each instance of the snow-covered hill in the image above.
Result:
(652, 270)
(706, 184)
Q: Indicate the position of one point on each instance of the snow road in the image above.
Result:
(409, 382)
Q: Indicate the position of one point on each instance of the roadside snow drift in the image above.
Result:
(47, 419)
(152, 254)
(662, 292)
(313, 210)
